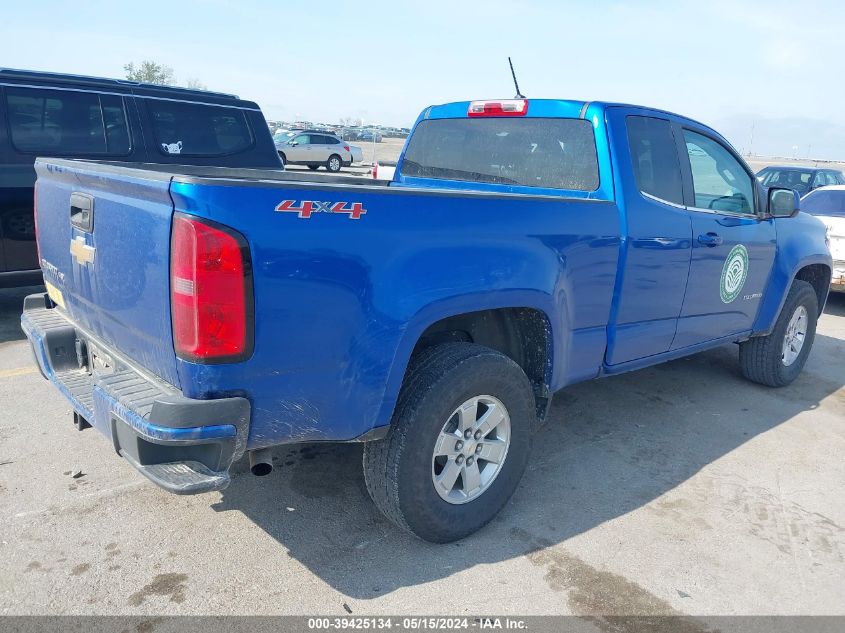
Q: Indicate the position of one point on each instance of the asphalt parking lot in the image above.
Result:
(676, 489)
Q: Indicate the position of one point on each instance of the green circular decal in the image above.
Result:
(734, 273)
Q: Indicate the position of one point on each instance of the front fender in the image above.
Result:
(800, 243)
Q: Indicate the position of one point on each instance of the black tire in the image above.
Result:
(334, 163)
(398, 469)
(761, 358)
(284, 159)
(313, 167)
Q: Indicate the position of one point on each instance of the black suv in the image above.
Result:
(800, 179)
(48, 114)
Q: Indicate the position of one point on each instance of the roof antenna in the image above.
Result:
(519, 95)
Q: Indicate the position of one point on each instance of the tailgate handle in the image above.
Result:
(82, 211)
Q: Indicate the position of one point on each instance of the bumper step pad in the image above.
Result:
(182, 478)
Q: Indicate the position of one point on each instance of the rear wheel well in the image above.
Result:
(818, 276)
(521, 334)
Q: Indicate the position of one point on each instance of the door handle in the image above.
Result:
(710, 239)
(82, 211)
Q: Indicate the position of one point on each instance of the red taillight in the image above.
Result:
(210, 292)
(375, 170)
(346, 147)
(507, 107)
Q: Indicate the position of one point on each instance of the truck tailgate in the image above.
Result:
(108, 271)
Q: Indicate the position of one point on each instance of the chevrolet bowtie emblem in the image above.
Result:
(81, 252)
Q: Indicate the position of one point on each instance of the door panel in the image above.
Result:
(727, 279)
(650, 289)
(733, 249)
(320, 149)
(300, 151)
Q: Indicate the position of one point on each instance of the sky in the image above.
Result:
(766, 74)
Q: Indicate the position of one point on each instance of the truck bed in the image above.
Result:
(339, 300)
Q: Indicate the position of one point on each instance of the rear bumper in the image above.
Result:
(184, 445)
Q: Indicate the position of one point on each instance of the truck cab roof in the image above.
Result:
(551, 108)
(33, 77)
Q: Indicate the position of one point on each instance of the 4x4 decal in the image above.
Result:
(305, 208)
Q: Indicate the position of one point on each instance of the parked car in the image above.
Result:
(357, 153)
(348, 134)
(48, 114)
(370, 135)
(316, 149)
(828, 205)
(195, 317)
(800, 179)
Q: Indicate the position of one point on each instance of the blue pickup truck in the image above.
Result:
(196, 314)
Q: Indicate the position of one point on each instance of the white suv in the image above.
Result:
(314, 149)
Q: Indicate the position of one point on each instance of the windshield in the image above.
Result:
(797, 179)
(535, 152)
(283, 136)
(829, 202)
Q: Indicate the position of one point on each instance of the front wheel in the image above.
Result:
(284, 159)
(777, 359)
(313, 167)
(458, 443)
(334, 163)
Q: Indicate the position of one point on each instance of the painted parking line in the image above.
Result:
(20, 371)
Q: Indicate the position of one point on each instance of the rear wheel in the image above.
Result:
(334, 163)
(777, 359)
(458, 443)
(313, 167)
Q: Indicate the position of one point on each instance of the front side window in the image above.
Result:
(530, 152)
(719, 181)
(655, 158)
(197, 129)
(302, 139)
(65, 122)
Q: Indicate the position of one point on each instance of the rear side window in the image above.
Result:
(199, 130)
(65, 122)
(655, 158)
(825, 202)
(548, 153)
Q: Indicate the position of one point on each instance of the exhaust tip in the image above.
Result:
(261, 469)
(261, 462)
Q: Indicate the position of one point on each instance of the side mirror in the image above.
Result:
(783, 203)
(293, 143)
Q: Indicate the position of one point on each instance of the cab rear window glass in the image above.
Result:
(65, 122)
(655, 158)
(194, 129)
(529, 152)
